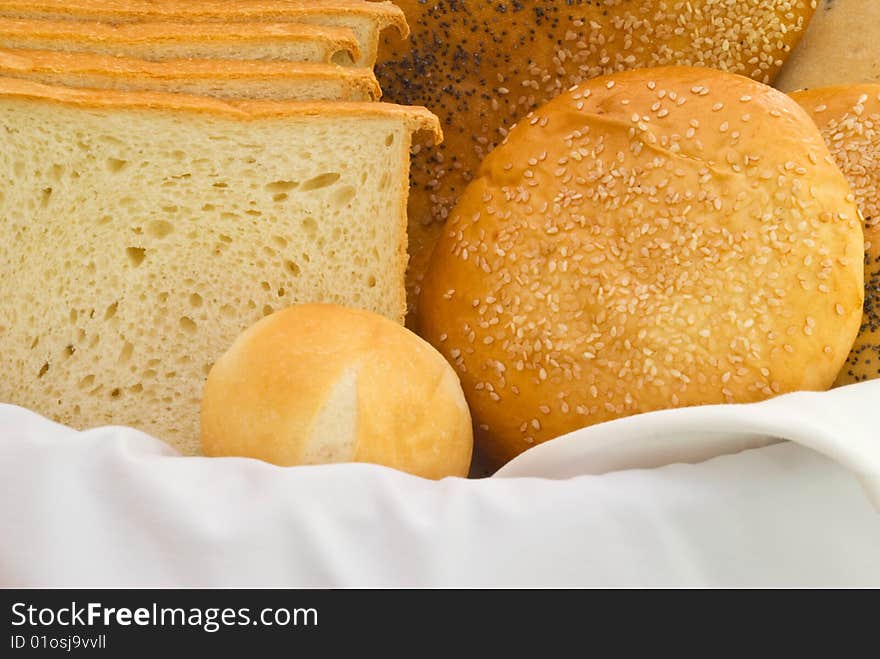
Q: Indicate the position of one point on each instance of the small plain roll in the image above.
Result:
(659, 238)
(849, 118)
(317, 384)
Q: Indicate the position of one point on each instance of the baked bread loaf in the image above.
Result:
(220, 78)
(849, 118)
(481, 65)
(289, 42)
(657, 238)
(144, 231)
(839, 47)
(317, 384)
(365, 19)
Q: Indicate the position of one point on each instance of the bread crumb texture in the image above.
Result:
(135, 245)
(653, 239)
(849, 118)
(481, 65)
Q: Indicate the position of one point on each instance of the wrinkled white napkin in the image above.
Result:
(842, 424)
(610, 505)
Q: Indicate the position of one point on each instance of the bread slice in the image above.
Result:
(366, 19)
(143, 231)
(291, 42)
(219, 78)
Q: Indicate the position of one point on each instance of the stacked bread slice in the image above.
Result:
(365, 20)
(171, 173)
(229, 79)
(287, 42)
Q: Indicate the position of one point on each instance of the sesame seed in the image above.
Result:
(635, 269)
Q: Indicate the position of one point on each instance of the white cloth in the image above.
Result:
(610, 505)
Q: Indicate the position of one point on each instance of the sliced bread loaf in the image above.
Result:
(365, 19)
(220, 78)
(141, 232)
(291, 42)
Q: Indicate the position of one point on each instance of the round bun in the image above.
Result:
(657, 238)
(482, 65)
(317, 384)
(849, 118)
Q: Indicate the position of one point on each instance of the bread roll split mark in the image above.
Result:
(333, 435)
(317, 384)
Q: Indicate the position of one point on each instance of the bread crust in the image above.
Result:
(849, 118)
(386, 14)
(13, 62)
(656, 238)
(366, 19)
(417, 119)
(337, 39)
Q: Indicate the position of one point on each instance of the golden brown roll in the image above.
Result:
(849, 118)
(653, 239)
(317, 384)
(481, 65)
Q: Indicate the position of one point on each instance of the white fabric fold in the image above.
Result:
(612, 505)
(841, 424)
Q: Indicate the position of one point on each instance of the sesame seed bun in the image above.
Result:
(849, 118)
(482, 65)
(657, 238)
